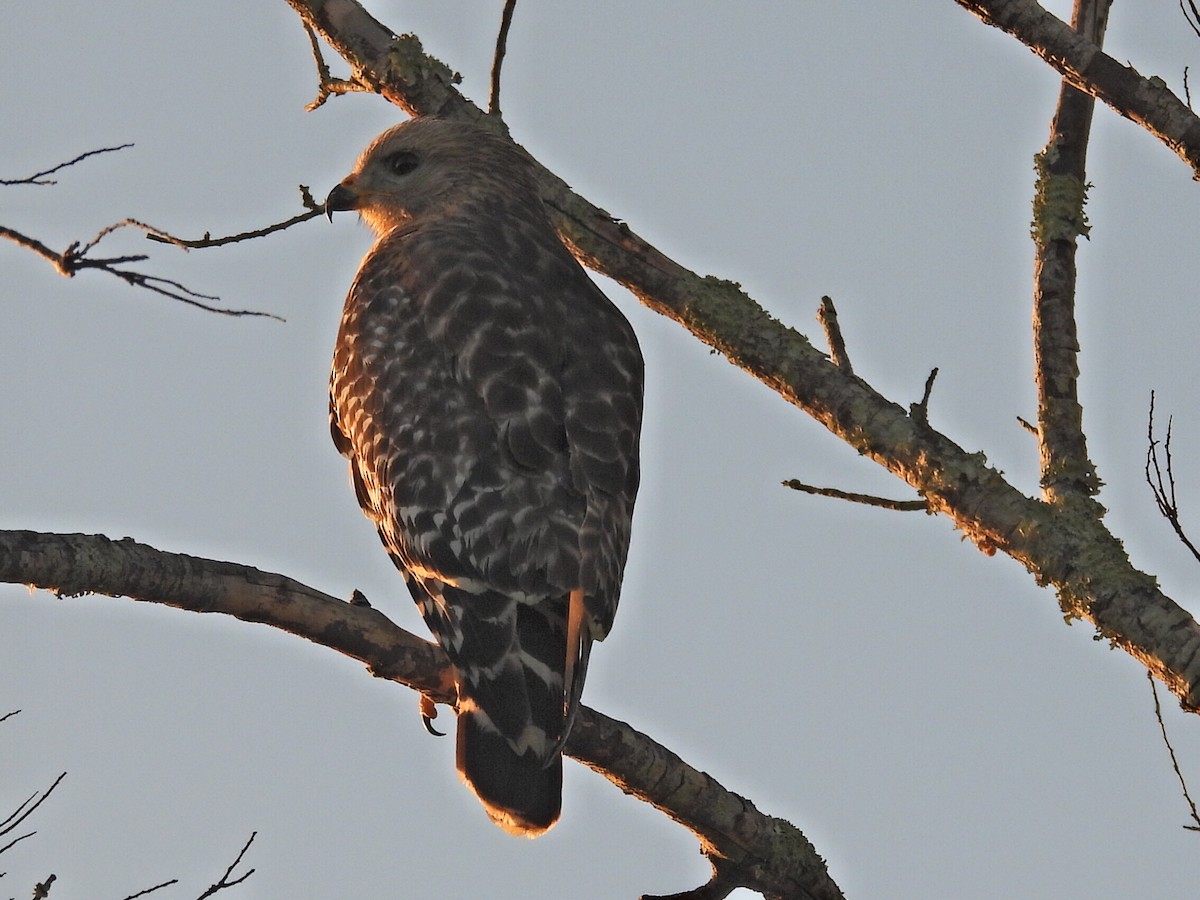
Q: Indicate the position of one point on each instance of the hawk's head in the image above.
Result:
(431, 166)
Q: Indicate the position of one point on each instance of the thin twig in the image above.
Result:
(867, 499)
(151, 890)
(313, 208)
(1164, 491)
(24, 811)
(1174, 761)
(827, 316)
(1193, 20)
(16, 841)
(920, 411)
(75, 259)
(40, 177)
(498, 59)
(224, 882)
(9, 715)
(327, 85)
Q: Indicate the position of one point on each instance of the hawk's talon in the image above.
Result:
(428, 714)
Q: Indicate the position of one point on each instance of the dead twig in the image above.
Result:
(1191, 15)
(327, 85)
(1174, 761)
(224, 881)
(827, 316)
(1164, 489)
(39, 178)
(920, 411)
(313, 208)
(220, 885)
(24, 811)
(866, 499)
(498, 59)
(151, 890)
(75, 259)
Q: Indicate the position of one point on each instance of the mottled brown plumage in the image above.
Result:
(489, 399)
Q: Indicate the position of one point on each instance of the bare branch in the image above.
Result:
(1147, 101)
(224, 881)
(75, 259)
(1191, 15)
(9, 715)
(42, 891)
(1174, 761)
(1127, 606)
(25, 810)
(327, 85)
(867, 499)
(827, 316)
(151, 890)
(498, 60)
(1058, 220)
(769, 854)
(17, 840)
(919, 411)
(1164, 491)
(40, 178)
(314, 209)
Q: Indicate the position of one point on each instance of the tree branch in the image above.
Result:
(24, 811)
(39, 178)
(1164, 491)
(1126, 605)
(313, 208)
(1162, 727)
(865, 499)
(758, 851)
(1058, 221)
(75, 259)
(498, 59)
(1147, 101)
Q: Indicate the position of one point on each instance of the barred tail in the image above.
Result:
(523, 796)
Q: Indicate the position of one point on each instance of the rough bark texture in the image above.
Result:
(749, 848)
(1060, 538)
(1067, 547)
(1147, 101)
(1058, 222)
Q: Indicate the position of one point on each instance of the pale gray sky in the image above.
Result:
(919, 710)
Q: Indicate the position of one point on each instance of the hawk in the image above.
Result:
(489, 398)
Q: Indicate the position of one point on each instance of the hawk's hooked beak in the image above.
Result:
(340, 198)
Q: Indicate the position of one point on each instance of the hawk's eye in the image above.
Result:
(402, 162)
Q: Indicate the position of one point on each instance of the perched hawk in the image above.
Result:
(489, 399)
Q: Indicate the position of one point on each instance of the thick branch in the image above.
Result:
(1147, 101)
(1058, 222)
(1073, 552)
(769, 854)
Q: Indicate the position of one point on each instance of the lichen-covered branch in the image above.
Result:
(1146, 100)
(750, 848)
(1069, 549)
(1058, 221)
